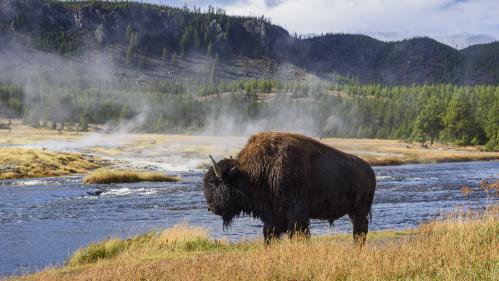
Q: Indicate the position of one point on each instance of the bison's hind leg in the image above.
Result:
(271, 232)
(359, 217)
(360, 226)
(299, 228)
(298, 221)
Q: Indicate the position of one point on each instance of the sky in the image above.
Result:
(457, 23)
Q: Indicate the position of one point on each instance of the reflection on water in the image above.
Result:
(43, 220)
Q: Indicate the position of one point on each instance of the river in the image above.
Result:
(42, 221)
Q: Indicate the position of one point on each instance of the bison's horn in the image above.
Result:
(216, 169)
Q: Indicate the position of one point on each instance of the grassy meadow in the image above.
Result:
(18, 163)
(462, 246)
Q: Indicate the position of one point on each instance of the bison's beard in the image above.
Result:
(227, 221)
(227, 218)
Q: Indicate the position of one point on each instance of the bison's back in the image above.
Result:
(282, 162)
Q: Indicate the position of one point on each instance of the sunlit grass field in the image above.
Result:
(463, 246)
(168, 149)
(33, 163)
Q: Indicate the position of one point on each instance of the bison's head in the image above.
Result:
(221, 189)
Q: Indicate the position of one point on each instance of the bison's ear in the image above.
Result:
(232, 175)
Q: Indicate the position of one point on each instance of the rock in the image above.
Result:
(220, 45)
(101, 34)
(215, 28)
(7, 167)
(96, 192)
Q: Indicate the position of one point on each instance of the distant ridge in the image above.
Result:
(155, 40)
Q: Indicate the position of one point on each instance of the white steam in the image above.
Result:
(39, 72)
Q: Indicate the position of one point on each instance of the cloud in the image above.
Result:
(454, 22)
(403, 18)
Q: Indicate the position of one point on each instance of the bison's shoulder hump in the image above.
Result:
(273, 143)
(276, 160)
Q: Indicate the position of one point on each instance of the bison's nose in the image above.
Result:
(209, 209)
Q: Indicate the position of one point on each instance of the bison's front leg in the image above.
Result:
(300, 226)
(271, 232)
(360, 228)
(300, 229)
(360, 231)
(298, 221)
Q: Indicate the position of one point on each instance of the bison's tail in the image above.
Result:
(371, 215)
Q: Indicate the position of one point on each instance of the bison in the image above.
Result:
(286, 179)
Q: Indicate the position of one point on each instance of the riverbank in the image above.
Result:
(162, 152)
(461, 247)
(18, 163)
(396, 152)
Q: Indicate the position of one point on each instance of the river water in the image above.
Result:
(42, 221)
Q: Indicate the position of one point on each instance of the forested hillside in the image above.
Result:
(173, 42)
(447, 113)
(142, 67)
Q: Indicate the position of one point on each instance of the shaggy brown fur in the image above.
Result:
(280, 162)
(286, 179)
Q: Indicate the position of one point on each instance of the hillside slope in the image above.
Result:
(167, 43)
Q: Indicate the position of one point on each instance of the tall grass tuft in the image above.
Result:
(96, 251)
(180, 238)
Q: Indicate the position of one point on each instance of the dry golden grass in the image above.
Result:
(106, 176)
(385, 161)
(462, 247)
(420, 158)
(18, 163)
(395, 152)
(23, 134)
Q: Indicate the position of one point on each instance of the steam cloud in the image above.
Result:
(38, 71)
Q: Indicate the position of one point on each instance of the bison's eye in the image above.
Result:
(215, 181)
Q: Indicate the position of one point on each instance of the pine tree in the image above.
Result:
(213, 72)
(227, 31)
(165, 55)
(159, 123)
(429, 122)
(209, 51)
(124, 113)
(84, 122)
(458, 120)
(135, 40)
(132, 47)
(492, 127)
(129, 32)
(129, 56)
(196, 39)
(206, 35)
(174, 59)
(185, 40)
